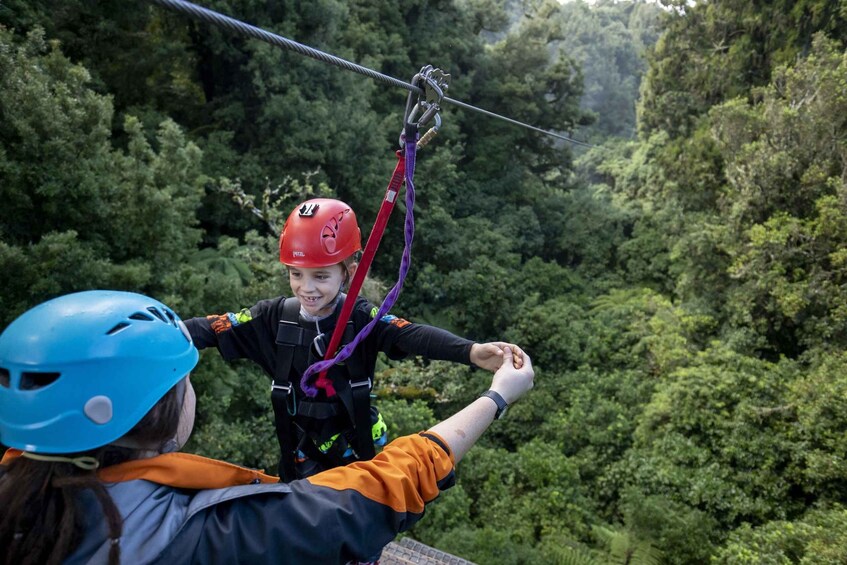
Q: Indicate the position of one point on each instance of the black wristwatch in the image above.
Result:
(502, 405)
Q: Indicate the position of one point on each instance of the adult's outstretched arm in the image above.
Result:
(462, 430)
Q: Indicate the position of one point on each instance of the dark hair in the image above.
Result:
(43, 504)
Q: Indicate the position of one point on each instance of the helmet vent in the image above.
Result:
(155, 312)
(171, 317)
(118, 327)
(4, 378)
(34, 381)
(142, 316)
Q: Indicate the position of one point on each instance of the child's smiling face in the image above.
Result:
(316, 288)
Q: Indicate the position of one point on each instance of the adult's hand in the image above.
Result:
(463, 429)
(512, 380)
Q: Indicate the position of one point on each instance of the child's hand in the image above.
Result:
(490, 355)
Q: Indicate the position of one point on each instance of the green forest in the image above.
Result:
(681, 285)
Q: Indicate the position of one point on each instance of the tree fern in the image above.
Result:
(573, 556)
(626, 549)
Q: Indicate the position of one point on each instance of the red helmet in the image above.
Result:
(318, 233)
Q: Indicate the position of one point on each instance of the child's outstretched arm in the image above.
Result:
(246, 334)
(398, 338)
(489, 355)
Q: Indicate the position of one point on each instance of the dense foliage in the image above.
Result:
(682, 292)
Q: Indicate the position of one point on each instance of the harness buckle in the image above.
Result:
(285, 387)
(290, 396)
(319, 346)
(366, 382)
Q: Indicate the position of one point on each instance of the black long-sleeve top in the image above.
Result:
(251, 334)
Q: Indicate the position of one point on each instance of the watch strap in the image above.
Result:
(499, 400)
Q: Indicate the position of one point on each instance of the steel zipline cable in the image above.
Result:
(232, 24)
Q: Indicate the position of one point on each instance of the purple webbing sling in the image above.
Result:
(305, 382)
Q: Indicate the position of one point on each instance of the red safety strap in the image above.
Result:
(368, 254)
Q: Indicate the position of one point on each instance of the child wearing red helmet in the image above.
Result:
(319, 245)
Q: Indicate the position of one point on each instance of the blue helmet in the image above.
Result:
(79, 371)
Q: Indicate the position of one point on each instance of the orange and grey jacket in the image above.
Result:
(170, 515)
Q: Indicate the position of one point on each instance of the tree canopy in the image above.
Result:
(680, 285)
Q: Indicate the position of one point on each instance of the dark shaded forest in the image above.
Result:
(681, 285)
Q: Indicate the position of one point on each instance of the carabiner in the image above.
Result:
(431, 132)
(432, 83)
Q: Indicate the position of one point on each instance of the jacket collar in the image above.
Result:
(181, 470)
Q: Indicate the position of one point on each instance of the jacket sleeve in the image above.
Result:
(346, 513)
(399, 338)
(248, 334)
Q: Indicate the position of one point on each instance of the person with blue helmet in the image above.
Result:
(95, 403)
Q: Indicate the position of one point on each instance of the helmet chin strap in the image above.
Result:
(84, 462)
(186, 423)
